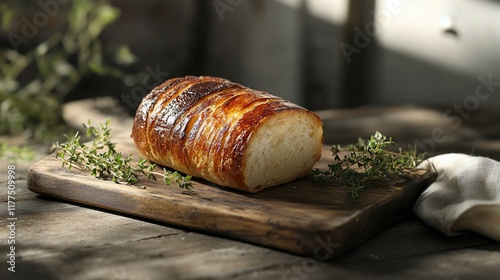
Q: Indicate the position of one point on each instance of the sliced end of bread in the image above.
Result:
(283, 148)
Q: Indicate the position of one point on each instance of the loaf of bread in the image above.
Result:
(226, 133)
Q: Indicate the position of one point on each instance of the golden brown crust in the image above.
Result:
(201, 126)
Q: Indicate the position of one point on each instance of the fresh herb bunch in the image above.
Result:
(103, 161)
(35, 80)
(366, 162)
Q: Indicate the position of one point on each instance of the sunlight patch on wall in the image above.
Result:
(331, 11)
(452, 34)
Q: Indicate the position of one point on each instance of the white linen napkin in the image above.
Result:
(464, 197)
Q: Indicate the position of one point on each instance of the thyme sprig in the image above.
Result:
(367, 161)
(102, 160)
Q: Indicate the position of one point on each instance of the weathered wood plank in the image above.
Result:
(62, 225)
(467, 263)
(64, 241)
(296, 217)
(21, 172)
(21, 190)
(411, 237)
(58, 240)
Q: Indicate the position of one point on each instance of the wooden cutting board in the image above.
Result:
(299, 217)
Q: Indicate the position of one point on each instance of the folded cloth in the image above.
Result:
(464, 197)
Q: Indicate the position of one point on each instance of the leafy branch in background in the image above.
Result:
(102, 160)
(366, 162)
(33, 107)
(13, 152)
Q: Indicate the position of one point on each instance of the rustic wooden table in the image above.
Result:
(58, 240)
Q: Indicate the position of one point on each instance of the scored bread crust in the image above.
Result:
(214, 129)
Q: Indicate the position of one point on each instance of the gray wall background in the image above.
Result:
(399, 51)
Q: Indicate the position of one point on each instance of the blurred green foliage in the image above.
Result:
(14, 153)
(33, 83)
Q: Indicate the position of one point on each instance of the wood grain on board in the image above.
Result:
(299, 217)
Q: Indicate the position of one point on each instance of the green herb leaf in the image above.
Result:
(104, 162)
(367, 161)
